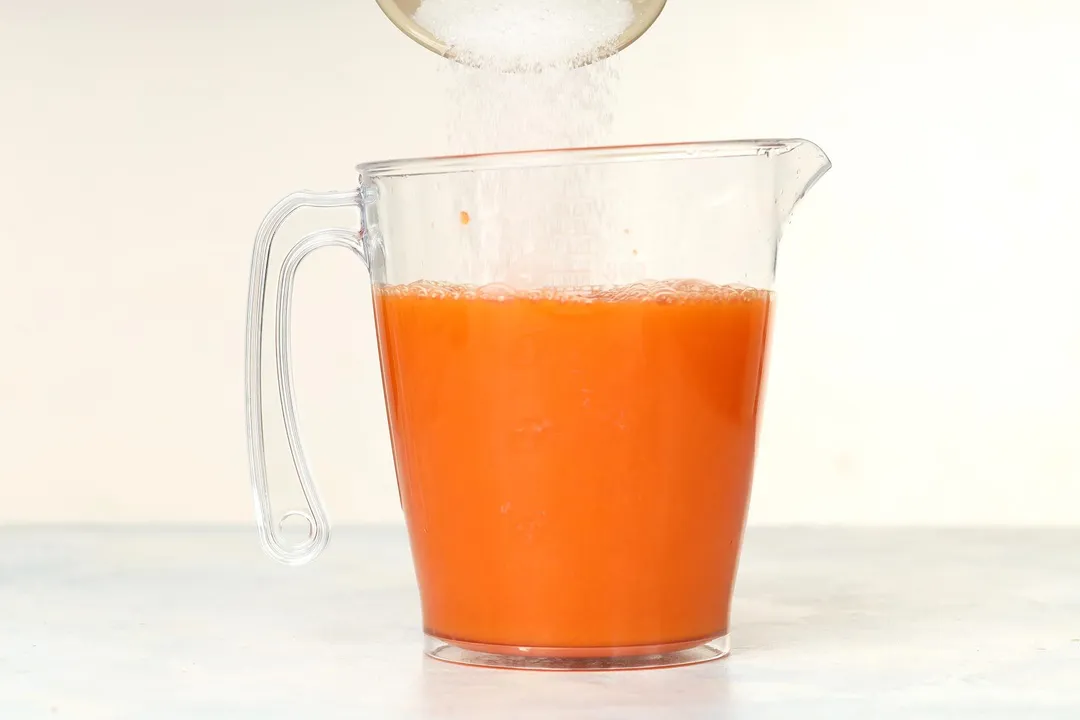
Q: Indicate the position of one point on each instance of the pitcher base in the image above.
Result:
(566, 659)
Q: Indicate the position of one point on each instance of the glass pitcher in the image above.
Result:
(572, 346)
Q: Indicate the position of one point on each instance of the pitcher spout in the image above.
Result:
(801, 165)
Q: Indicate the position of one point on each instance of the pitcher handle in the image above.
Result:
(318, 524)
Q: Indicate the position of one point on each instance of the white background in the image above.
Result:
(927, 346)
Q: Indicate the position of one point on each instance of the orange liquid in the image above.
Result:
(574, 468)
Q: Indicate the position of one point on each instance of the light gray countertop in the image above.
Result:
(122, 623)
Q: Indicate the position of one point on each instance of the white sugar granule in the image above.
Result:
(499, 112)
(526, 34)
(540, 227)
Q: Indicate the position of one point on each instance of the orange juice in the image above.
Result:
(574, 465)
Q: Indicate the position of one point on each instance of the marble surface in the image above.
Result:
(122, 623)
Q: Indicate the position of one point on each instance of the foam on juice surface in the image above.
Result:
(648, 291)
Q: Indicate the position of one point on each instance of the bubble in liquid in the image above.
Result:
(634, 291)
(497, 291)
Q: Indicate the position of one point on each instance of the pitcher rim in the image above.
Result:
(519, 159)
